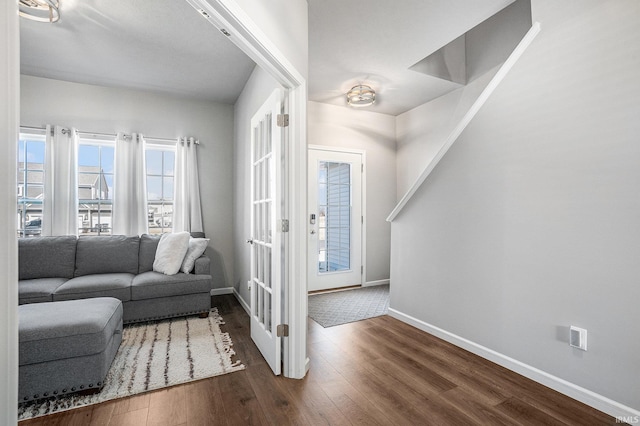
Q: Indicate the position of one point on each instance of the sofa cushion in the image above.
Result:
(46, 257)
(202, 265)
(197, 246)
(98, 285)
(147, 254)
(57, 330)
(38, 289)
(170, 252)
(104, 255)
(150, 285)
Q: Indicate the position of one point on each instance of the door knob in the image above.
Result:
(313, 232)
(250, 241)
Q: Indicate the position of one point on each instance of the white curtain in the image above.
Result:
(130, 186)
(187, 212)
(60, 206)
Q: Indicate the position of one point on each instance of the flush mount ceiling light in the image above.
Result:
(361, 96)
(40, 10)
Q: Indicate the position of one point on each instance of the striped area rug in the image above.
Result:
(154, 355)
(341, 307)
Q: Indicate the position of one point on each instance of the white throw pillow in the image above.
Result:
(170, 252)
(197, 246)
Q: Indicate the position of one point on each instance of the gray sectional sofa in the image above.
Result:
(68, 268)
(67, 346)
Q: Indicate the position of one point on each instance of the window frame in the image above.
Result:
(100, 228)
(163, 202)
(22, 190)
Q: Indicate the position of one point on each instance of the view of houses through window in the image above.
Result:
(95, 186)
(160, 169)
(30, 184)
(96, 172)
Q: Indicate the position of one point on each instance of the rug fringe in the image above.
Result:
(221, 340)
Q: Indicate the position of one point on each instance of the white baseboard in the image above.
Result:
(597, 401)
(378, 282)
(244, 304)
(219, 291)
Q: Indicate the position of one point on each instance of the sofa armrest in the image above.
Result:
(202, 266)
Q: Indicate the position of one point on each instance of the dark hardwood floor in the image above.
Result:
(374, 372)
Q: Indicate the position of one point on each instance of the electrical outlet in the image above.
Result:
(578, 338)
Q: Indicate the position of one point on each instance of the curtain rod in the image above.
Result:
(151, 138)
(112, 135)
(32, 128)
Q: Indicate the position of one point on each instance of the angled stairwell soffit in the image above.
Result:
(481, 49)
(485, 53)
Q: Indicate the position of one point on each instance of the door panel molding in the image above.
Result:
(267, 240)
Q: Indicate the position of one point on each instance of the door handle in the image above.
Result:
(313, 231)
(250, 241)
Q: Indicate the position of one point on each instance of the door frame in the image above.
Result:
(363, 197)
(247, 36)
(9, 125)
(251, 40)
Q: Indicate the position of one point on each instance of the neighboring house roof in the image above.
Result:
(34, 193)
(31, 166)
(89, 179)
(35, 173)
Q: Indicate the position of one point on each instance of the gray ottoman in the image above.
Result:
(67, 346)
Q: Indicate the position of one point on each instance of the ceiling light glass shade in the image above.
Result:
(361, 96)
(40, 10)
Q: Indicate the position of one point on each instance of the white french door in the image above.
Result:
(335, 219)
(266, 238)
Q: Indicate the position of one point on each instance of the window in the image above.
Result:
(31, 149)
(95, 173)
(334, 221)
(95, 186)
(160, 171)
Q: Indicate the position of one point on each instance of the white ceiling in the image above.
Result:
(157, 45)
(375, 42)
(165, 46)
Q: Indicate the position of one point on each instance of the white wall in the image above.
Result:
(531, 222)
(9, 121)
(109, 110)
(285, 24)
(373, 133)
(422, 131)
(258, 88)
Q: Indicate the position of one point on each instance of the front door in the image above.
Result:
(335, 219)
(266, 237)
